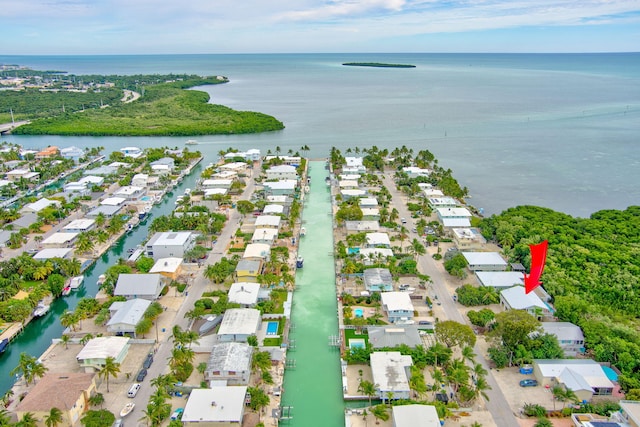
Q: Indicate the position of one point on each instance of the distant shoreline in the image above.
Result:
(377, 64)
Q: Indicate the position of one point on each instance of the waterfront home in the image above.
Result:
(237, 167)
(280, 188)
(225, 175)
(444, 202)
(170, 244)
(570, 336)
(273, 209)
(348, 185)
(354, 170)
(133, 152)
(74, 153)
(79, 226)
(47, 152)
(452, 212)
(361, 226)
(416, 172)
(163, 165)
(257, 251)
(368, 202)
(59, 240)
(253, 154)
(26, 152)
(430, 192)
(49, 253)
(229, 362)
(92, 180)
(372, 255)
(468, 238)
(282, 172)
(390, 336)
(216, 183)
(353, 194)
(131, 192)
(267, 236)
(279, 200)
(170, 267)
(378, 240)
(145, 286)
(24, 221)
(209, 192)
(105, 210)
(390, 371)
(370, 214)
(93, 355)
(268, 221)
(216, 406)
(377, 279)
(76, 189)
(125, 316)
(397, 306)
(285, 160)
(40, 205)
(352, 162)
(244, 293)
(584, 377)
(248, 270)
(484, 261)
(140, 180)
(113, 201)
(18, 174)
(415, 416)
(235, 155)
(238, 324)
(499, 280)
(101, 171)
(516, 299)
(349, 177)
(67, 391)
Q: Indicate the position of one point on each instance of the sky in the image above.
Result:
(59, 27)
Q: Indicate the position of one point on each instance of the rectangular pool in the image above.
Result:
(272, 328)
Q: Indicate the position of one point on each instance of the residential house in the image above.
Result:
(145, 286)
(59, 240)
(361, 226)
(131, 192)
(210, 192)
(45, 153)
(443, 202)
(415, 416)
(280, 188)
(216, 183)
(390, 370)
(353, 194)
(94, 354)
(170, 267)
(140, 180)
(229, 362)
(237, 167)
(244, 293)
(170, 244)
(268, 236)
(467, 239)
(76, 189)
(257, 251)
(397, 306)
(285, 160)
(282, 172)
(352, 162)
(238, 324)
(39, 205)
(101, 171)
(630, 412)
(163, 165)
(18, 174)
(485, 261)
(371, 214)
(80, 226)
(348, 185)
(389, 336)
(454, 217)
(368, 202)
(253, 154)
(279, 200)
(105, 210)
(73, 153)
(216, 406)
(377, 279)
(268, 221)
(584, 377)
(378, 240)
(430, 192)
(570, 336)
(113, 201)
(67, 391)
(248, 270)
(50, 253)
(500, 280)
(372, 255)
(133, 152)
(416, 172)
(273, 209)
(516, 299)
(125, 316)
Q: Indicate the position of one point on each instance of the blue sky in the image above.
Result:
(280, 26)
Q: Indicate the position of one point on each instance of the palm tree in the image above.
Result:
(368, 389)
(64, 339)
(380, 413)
(97, 399)
(202, 368)
(467, 353)
(54, 418)
(5, 418)
(111, 368)
(28, 420)
(481, 385)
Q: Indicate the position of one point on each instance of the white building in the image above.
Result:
(397, 306)
(59, 240)
(79, 226)
(238, 324)
(280, 188)
(415, 416)
(378, 240)
(50, 253)
(267, 236)
(130, 192)
(39, 205)
(584, 377)
(244, 293)
(570, 336)
(416, 172)
(217, 183)
(145, 286)
(442, 202)
(229, 362)
(485, 261)
(282, 172)
(216, 406)
(73, 153)
(257, 251)
(273, 209)
(352, 194)
(368, 202)
(516, 299)
(94, 354)
(140, 180)
(170, 244)
(390, 371)
(468, 238)
(125, 315)
(113, 201)
(268, 221)
(500, 279)
(352, 162)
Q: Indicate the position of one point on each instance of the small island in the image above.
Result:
(377, 64)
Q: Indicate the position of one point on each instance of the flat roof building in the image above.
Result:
(216, 406)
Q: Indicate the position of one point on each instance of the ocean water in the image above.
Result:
(554, 130)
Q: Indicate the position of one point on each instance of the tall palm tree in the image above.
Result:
(54, 418)
(368, 389)
(380, 413)
(111, 368)
(28, 420)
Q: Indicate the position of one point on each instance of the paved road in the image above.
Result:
(194, 292)
(497, 404)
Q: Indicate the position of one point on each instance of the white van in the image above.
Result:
(133, 390)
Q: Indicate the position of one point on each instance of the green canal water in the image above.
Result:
(314, 387)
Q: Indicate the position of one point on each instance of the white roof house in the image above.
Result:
(244, 293)
(390, 374)
(113, 201)
(257, 250)
(130, 192)
(140, 180)
(432, 192)
(349, 177)
(415, 416)
(516, 299)
(127, 315)
(359, 226)
(630, 411)
(57, 240)
(353, 161)
(92, 180)
(500, 279)
(282, 187)
(570, 336)
(170, 244)
(453, 213)
(213, 191)
(485, 261)
(352, 193)
(273, 209)
(166, 265)
(49, 253)
(225, 175)
(369, 202)
(268, 221)
(217, 183)
(131, 286)
(442, 202)
(348, 184)
(584, 376)
(397, 306)
(94, 354)
(230, 362)
(265, 235)
(456, 222)
(282, 172)
(235, 166)
(210, 406)
(370, 213)
(238, 323)
(39, 205)
(378, 240)
(415, 172)
(79, 225)
(280, 200)
(466, 238)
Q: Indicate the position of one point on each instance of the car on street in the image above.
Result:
(141, 375)
(177, 414)
(528, 383)
(147, 361)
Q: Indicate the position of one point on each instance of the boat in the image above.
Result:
(127, 409)
(66, 291)
(101, 279)
(306, 189)
(3, 345)
(129, 228)
(191, 142)
(76, 282)
(41, 309)
(299, 262)
(303, 231)
(212, 322)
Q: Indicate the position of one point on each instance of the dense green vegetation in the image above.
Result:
(592, 272)
(377, 64)
(164, 109)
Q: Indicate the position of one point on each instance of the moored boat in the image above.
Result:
(303, 231)
(76, 282)
(66, 291)
(3, 345)
(299, 262)
(101, 279)
(191, 142)
(127, 409)
(41, 309)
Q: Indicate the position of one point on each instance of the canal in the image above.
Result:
(313, 388)
(37, 335)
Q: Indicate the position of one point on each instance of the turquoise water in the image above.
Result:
(358, 312)
(272, 328)
(314, 387)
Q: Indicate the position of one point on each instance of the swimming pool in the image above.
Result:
(146, 198)
(272, 328)
(358, 312)
(356, 343)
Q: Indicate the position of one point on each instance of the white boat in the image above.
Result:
(127, 409)
(76, 282)
(306, 189)
(187, 191)
(41, 309)
(66, 291)
(191, 142)
(303, 231)
(101, 279)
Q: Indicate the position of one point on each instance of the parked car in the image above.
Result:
(141, 375)
(528, 383)
(177, 414)
(148, 361)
